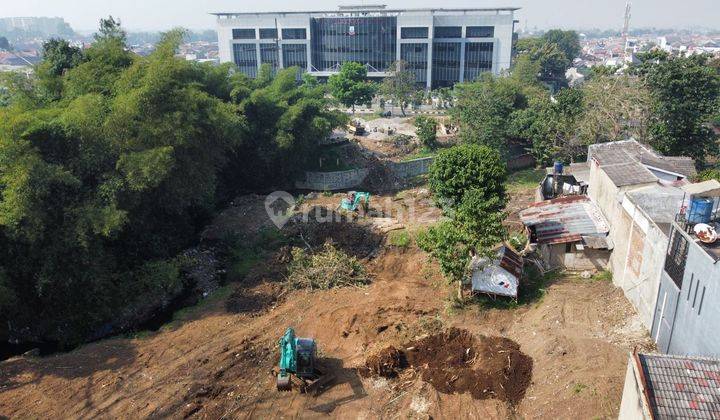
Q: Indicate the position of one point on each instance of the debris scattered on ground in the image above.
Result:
(325, 269)
(455, 361)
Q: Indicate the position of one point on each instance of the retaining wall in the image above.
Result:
(342, 180)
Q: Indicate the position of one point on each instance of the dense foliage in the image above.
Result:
(110, 164)
(350, 85)
(400, 85)
(468, 180)
(426, 131)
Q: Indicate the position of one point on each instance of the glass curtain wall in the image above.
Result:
(367, 40)
(415, 55)
(269, 55)
(446, 64)
(245, 57)
(478, 59)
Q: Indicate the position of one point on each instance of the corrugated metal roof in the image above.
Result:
(680, 386)
(565, 219)
(501, 277)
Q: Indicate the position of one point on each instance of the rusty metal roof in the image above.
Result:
(565, 219)
(681, 386)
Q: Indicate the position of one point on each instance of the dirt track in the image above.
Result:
(219, 363)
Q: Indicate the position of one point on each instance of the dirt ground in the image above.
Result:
(218, 362)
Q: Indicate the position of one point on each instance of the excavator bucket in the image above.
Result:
(283, 383)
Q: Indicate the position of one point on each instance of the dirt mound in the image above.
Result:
(320, 225)
(387, 363)
(254, 300)
(455, 361)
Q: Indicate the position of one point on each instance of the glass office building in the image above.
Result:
(440, 47)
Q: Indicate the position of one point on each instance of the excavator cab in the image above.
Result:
(298, 356)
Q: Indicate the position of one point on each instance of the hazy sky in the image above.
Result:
(193, 14)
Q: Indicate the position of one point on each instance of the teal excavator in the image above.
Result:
(298, 357)
(354, 200)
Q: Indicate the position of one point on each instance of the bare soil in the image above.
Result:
(217, 362)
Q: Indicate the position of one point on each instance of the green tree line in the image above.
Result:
(110, 163)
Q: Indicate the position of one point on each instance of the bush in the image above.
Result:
(327, 269)
(468, 167)
(426, 131)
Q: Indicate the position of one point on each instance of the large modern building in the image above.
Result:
(440, 46)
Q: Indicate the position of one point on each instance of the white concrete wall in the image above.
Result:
(632, 406)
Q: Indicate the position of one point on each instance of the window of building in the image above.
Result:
(448, 32)
(295, 55)
(367, 40)
(415, 55)
(414, 33)
(445, 64)
(294, 33)
(269, 55)
(478, 59)
(480, 31)
(243, 33)
(676, 258)
(245, 57)
(268, 33)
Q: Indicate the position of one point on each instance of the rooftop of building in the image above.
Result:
(629, 162)
(372, 8)
(567, 219)
(680, 386)
(659, 202)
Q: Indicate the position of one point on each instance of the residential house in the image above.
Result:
(687, 313)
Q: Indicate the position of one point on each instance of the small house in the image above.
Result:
(568, 232)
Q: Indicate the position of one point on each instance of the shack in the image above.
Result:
(499, 277)
(568, 232)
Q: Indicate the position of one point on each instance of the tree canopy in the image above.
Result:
(350, 85)
(400, 85)
(105, 182)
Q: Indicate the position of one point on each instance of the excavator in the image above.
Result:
(298, 357)
(354, 199)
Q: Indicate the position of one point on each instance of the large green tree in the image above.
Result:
(399, 85)
(685, 94)
(483, 109)
(350, 85)
(102, 187)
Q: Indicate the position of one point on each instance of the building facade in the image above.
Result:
(440, 46)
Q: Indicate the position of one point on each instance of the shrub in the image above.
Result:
(399, 238)
(426, 131)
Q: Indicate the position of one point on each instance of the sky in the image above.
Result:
(83, 15)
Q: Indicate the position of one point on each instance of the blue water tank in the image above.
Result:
(700, 210)
(558, 167)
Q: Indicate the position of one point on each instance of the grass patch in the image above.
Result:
(604, 275)
(399, 238)
(533, 288)
(524, 179)
(578, 388)
(218, 295)
(244, 255)
(422, 153)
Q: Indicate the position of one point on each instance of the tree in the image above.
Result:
(59, 55)
(102, 189)
(616, 108)
(4, 44)
(470, 180)
(460, 169)
(426, 131)
(350, 86)
(484, 107)
(400, 85)
(110, 30)
(685, 94)
(567, 41)
(550, 125)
